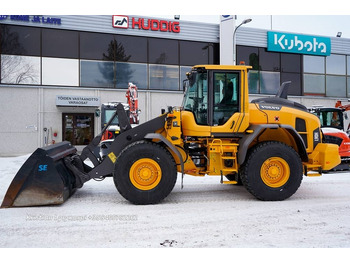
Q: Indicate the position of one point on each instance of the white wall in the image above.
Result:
(26, 111)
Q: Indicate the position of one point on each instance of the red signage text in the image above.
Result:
(155, 25)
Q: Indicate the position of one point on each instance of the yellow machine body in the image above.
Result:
(221, 144)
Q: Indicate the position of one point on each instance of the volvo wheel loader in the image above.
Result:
(267, 144)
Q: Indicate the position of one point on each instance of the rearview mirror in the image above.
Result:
(185, 84)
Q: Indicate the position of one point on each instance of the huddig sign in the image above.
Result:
(121, 21)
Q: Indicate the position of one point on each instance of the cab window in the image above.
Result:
(196, 98)
(225, 96)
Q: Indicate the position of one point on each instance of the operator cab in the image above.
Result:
(330, 117)
(212, 95)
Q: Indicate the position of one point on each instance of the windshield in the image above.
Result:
(196, 96)
(331, 119)
(108, 114)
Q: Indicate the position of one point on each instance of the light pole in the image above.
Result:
(246, 21)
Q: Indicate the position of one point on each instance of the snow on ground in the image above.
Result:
(204, 213)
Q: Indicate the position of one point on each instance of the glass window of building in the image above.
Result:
(314, 64)
(335, 65)
(60, 71)
(131, 48)
(97, 46)
(194, 53)
(248, 55)
(163, 51)
(20, 40)
(164, 77)
(131, 72)
(183, 71)
(60, 43)
(269, 61)
(348, 64)
(97, 74)
(253, 82)
(20, 70)
(314, 84)
(295, 87)
(336, 86)
(214, 54)
(269, 82)
(290, 63)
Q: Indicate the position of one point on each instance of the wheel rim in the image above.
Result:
(275, 172)
(145, 174)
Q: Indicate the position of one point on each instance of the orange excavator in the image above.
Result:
(133, 102)
(332, 124)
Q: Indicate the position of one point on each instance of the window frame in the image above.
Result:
(211, 94)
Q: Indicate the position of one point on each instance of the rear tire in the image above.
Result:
(145, 173)
(272, 171)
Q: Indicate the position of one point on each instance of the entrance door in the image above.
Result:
(78, 128)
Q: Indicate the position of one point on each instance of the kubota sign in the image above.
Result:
(301, 44)
(122, 21)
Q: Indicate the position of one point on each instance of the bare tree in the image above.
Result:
(19, 70)
(16, 69)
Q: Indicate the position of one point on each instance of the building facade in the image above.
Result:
(56, 71)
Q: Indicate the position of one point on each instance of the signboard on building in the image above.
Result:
(126, 22)
(300, 44)
(34, 19)
(65, 100)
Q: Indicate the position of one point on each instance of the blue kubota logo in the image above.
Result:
(42, 168)
(296, 43)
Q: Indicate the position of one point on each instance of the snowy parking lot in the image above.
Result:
(204, 213)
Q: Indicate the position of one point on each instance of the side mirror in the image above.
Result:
(185, 85)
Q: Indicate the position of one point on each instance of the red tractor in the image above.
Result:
(332, 123)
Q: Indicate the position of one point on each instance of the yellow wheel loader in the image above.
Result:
(267, 145)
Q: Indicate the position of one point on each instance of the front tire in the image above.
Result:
(145, 173)
(272, 171)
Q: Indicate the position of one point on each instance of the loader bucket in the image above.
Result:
(43, 179)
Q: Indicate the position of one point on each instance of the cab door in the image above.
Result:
(226, 105)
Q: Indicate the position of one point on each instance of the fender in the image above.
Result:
(168, 144)
(126, 138)
(246, 141)
(171, 147)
